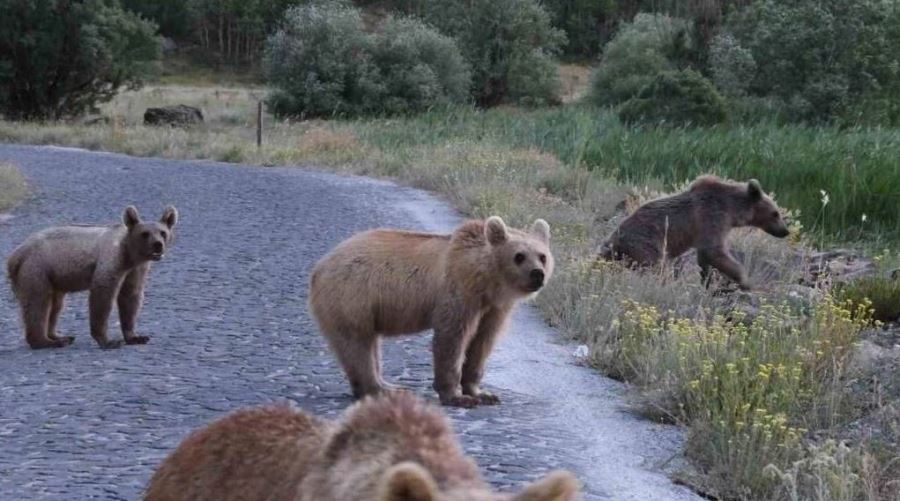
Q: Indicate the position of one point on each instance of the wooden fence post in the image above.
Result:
(259, 124)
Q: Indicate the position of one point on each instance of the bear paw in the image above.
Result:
(137, 339)
(464, 401)
(488, 398)
(111, 345)
(63, 341)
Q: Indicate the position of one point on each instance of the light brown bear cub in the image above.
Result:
(699, 218)
(463, 285)
(110, 261)
(391, 448)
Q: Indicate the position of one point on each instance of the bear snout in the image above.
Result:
(537, 278)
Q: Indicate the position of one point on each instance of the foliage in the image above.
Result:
(175, 18)
(419, 67)
(750, 392)
(650, 44)
(322, 63)
(509, 45)
(883, 291)
(821, 58)
(62, 57)
(676, 98)
(732, 66)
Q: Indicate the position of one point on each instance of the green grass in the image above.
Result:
(858, 169)
(12, 185)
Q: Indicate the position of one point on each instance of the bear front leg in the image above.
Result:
(452, 331)
(489, 329)
(100, 304)
(723, 261)
(130, 299)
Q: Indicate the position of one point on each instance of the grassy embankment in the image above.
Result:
(769, 393)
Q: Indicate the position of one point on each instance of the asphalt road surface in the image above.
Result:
(226, 313)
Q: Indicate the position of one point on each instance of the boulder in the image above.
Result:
(179, 115)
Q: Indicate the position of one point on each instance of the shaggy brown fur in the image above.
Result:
(391, 282)
(392, 448)
(110, 261)
(699, 218)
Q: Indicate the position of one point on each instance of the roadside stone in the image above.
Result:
(176, 116)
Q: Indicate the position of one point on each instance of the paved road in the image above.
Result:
(228, 324)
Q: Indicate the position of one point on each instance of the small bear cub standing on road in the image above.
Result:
(463, 285)
(390, 448)
(698, 218)
(110, 261)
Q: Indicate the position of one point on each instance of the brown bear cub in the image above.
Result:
(698, 218)
(389, 448)
(110, 261)
(463, 285)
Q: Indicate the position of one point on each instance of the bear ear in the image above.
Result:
(541, 229)
(495, 230)
(169, 217)
(556, 486)
(130, 217)
(754, 190)
(408, 481)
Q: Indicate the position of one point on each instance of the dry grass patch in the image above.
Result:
(13, 187)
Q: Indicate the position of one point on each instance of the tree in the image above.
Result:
(62, 57)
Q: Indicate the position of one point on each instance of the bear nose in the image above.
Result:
(537, 277)
(157, 246)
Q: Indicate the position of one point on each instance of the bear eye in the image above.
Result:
(519, 257)
(145, 234)
(775, 214)
(163, 234)
(543, 258)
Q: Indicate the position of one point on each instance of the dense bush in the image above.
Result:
(419, 67)
(676, 98)
(322, 63)
(509, 44)
(650, 44)
(731, 65)
(62, 57)
(822, 59)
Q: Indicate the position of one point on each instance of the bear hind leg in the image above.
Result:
(57, 303)
(356, 354)
(36, 303)
(385, 385)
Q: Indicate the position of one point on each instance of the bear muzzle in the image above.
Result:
(158, 251)
(536, 279)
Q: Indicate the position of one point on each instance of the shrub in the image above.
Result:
(508, 43)
(731, 65)
(319, 63)
(821, 57)
(650, 44)
(675, 98)
(419, 67)
(750, 392)
(882, 291)
(60, 58)
(322, 63)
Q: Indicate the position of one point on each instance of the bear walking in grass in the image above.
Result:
(391, 448)
(110, 261)
(699, 218)
(464, 285)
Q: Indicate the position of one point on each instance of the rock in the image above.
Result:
(178, 115)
